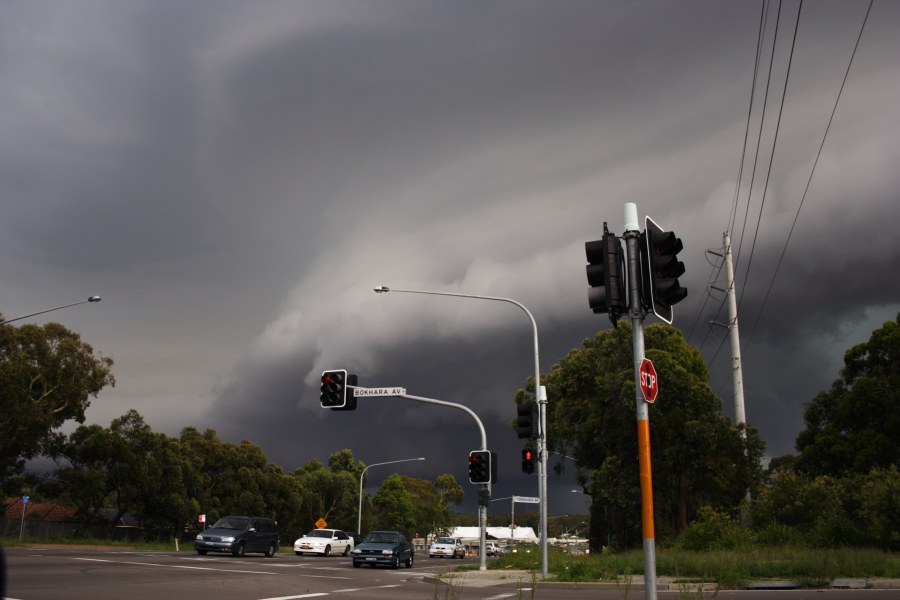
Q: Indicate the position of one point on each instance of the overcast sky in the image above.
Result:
(234, 177)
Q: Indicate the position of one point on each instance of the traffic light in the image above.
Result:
(606, 276)
(351, 398)
(482, 466)
(527, 420)
(660, 270)
(484, 497)
(528, 460)
(334, 389)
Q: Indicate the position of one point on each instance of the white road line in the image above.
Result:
(313, 595)
(348, 590)
(143, 564)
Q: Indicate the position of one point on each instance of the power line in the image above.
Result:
(811, 173)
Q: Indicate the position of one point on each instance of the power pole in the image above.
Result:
(737, 380)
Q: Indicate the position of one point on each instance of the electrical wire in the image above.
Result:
(809, 180)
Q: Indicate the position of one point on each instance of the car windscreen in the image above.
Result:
(231, 523)
(446, 541)
(382, 538)
(319, 533)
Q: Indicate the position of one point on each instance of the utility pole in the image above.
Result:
(737, 379)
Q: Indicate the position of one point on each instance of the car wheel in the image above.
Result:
(409, 561)
(298, 553)
(201, 552)
(395, 564)
(356, 564)
(238, 550)
(271, 551)
(347, 550)
(431, 556)
(327, 551)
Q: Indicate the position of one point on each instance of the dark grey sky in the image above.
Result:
(234, 178)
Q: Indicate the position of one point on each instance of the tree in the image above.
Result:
(854, 426)
(47, 376)
(699, 457)
(394, 507)
(432, 500)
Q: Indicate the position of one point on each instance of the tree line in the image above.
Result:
(710, 485)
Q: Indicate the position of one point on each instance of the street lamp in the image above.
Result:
(91, 299)
(361, 475)
(539, 395)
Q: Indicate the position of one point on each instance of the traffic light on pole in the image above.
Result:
(606, 275)
(350, 403)
(527, 419)
(480, 466)
(334, 389)
(660, 270)
(528, 460)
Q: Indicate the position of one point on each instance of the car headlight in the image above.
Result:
(229, 539)
(199, 537)
(355, 551)
(387, 552)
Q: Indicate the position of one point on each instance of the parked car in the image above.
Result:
(492, 549)
(324, 542)
(388, 548)
(447, 546)
(239, 535)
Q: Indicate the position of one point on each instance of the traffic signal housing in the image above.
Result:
(528, 460)
(606, 276)
(527, 420)
(350, 403)
(334, 389)
(660, 270)
(482, 466)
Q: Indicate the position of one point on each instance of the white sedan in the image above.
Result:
(324, 542)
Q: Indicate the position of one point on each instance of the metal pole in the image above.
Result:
(540, 394)
(632, 233)
(91, 299)
(361, 475)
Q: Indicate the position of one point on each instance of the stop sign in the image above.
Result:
(649, 381)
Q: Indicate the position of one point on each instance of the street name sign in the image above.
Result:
(374, 392)
(527, 499)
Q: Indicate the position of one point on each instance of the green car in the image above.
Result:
(387, 548)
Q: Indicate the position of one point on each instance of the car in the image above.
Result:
(324, 542)
(492, 549)
(357, 539)
(387, 548)
(447, 546)
(239, 535)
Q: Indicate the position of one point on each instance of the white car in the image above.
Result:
(447, 546)
(324, 542)
(492, 549)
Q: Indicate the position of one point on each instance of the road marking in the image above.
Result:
(313, 595)
(143, 564)
(377, 587)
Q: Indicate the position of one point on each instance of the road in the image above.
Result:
(92, 574)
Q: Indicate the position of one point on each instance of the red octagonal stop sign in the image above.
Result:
(649, 381)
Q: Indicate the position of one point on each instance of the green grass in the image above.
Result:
(727, 568)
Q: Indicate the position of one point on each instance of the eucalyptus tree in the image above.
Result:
(699, 457)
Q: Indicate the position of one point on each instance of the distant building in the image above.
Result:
(506, 535)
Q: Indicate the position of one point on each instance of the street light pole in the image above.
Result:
(363, 474)
(91, 299)
(539, 394)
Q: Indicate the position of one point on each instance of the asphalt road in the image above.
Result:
(92, 574)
